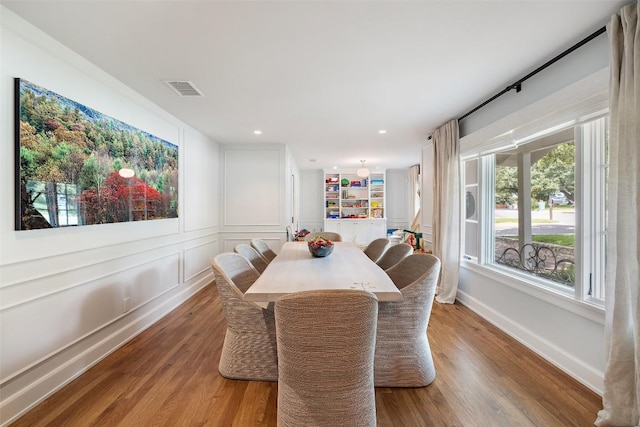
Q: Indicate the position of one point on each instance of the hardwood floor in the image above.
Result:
(168, 376)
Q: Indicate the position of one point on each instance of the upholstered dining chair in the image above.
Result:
(252, 256)
(263, 249)
(249, 351)
(394, 255)
(376, 248)
(326, 342)
(403, 356)
(329, 235)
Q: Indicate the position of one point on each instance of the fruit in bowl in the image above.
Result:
(320, 247)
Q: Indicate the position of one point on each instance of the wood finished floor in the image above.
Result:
(168, 376)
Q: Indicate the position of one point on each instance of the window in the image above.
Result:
(542, 204)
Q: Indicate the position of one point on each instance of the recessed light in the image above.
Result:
(257, 132)
(382, 131)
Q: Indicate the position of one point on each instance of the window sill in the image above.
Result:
(591, 310)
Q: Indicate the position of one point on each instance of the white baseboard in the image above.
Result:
(42, 381)
(585, 374)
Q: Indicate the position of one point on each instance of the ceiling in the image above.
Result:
(323, 77)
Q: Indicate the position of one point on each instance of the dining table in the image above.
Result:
(295, 269)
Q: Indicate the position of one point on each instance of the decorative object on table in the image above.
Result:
(326, 235)
(320, 247)
(300, 235)
(63, 179)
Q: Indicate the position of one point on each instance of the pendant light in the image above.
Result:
(363, 172)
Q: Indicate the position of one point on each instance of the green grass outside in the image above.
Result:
(556, 239)
(534, 221)
(567, 240)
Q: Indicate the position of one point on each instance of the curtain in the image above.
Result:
(446, 209)
(414, 192)
(621, 398)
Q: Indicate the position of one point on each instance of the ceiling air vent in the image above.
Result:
(184, 88)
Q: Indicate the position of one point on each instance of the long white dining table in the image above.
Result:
(294, 269)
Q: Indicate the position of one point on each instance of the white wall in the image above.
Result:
(256, 195)
(62, 290)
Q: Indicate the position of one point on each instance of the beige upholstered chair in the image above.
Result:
(252, 256)
(329, 235)
(394, 255)
(403, 356)
(376, 248)
(326, 343)
(263, 249)
(249, 351)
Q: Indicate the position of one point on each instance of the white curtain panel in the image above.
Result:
(414, 189)
(446, 209)
(621, 398)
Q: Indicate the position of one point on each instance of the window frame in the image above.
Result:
(580, 105)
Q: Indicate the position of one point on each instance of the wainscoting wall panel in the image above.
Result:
(197, 259)
(61, 318)
(253, 187)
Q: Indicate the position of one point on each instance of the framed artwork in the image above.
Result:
(76, 166)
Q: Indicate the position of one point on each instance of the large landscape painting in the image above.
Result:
(76, 166)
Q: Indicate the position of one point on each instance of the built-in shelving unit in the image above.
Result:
(376, 195)
(354, 206)
(346, 195)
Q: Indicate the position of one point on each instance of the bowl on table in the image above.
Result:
(320, 247)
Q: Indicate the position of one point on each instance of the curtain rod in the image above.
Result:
(518, 85)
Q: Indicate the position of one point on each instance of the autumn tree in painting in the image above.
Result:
(122, 199)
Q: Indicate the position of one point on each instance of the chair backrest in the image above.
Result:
(326, 344)
(376, 248)
(329, 235)
(252, 256)
(394, 255)
(236, 270)
(263, 249)
(413, 269)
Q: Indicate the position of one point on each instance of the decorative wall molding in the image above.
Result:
(201, 255)
(253, 186)
(41, 287)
